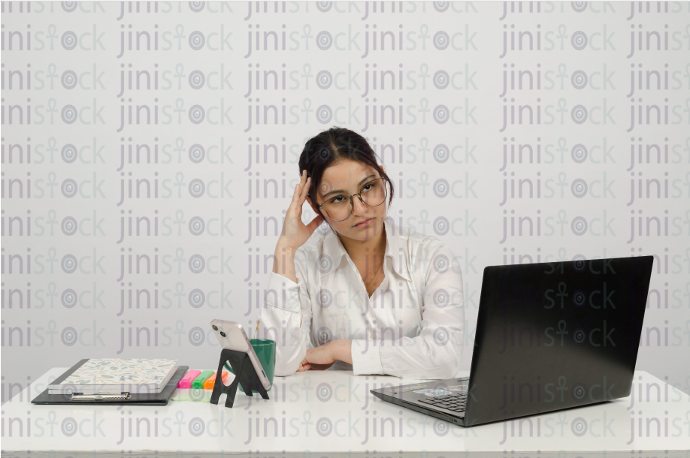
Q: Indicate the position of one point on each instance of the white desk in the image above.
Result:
(332, 413)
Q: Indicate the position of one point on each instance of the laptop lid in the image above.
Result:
(557, 335)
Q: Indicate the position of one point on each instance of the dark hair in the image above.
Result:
(331, 146)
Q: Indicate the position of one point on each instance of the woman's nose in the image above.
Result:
(359, 206)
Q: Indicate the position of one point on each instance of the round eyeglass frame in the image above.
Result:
(358, 194)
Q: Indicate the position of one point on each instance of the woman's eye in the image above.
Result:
(369, 185)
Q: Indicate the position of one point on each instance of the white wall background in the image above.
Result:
(215, 136)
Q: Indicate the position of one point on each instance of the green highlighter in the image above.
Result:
(201, 378)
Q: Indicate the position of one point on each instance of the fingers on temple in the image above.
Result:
(305, 189)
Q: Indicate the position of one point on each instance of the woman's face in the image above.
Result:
(349, 177)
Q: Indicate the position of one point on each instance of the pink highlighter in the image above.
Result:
(186, 381)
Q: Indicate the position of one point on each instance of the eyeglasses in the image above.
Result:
(340, 207)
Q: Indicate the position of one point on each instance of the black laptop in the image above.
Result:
(550, 336)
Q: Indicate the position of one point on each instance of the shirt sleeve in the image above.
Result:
(436, 352)
(286, 317)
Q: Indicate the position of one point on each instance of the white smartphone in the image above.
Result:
(231, 336)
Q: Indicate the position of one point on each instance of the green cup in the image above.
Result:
(265, 350)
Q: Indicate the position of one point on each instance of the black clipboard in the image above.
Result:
(142, 399)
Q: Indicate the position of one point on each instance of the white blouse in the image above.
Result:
(412, 326)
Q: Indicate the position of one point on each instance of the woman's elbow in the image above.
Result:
(287, 366)
(450, 365)
(284, 370)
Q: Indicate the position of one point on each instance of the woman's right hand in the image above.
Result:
(295, 232)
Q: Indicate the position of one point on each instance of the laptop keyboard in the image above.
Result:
(454, 403)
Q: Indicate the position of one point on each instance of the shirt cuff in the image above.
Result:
(278, 283)
(366, 357)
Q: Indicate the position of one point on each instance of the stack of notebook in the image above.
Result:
(114, 376)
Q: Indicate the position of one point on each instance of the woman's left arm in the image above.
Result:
(323, 356)
(341, 349)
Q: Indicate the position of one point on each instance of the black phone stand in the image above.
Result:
(244, 374)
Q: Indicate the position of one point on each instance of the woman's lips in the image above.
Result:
(365, 223)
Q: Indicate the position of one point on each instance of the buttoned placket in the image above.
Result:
(369, 311)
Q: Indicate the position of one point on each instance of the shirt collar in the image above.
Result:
(334, 250)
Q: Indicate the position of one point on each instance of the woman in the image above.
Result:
(364, 295)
